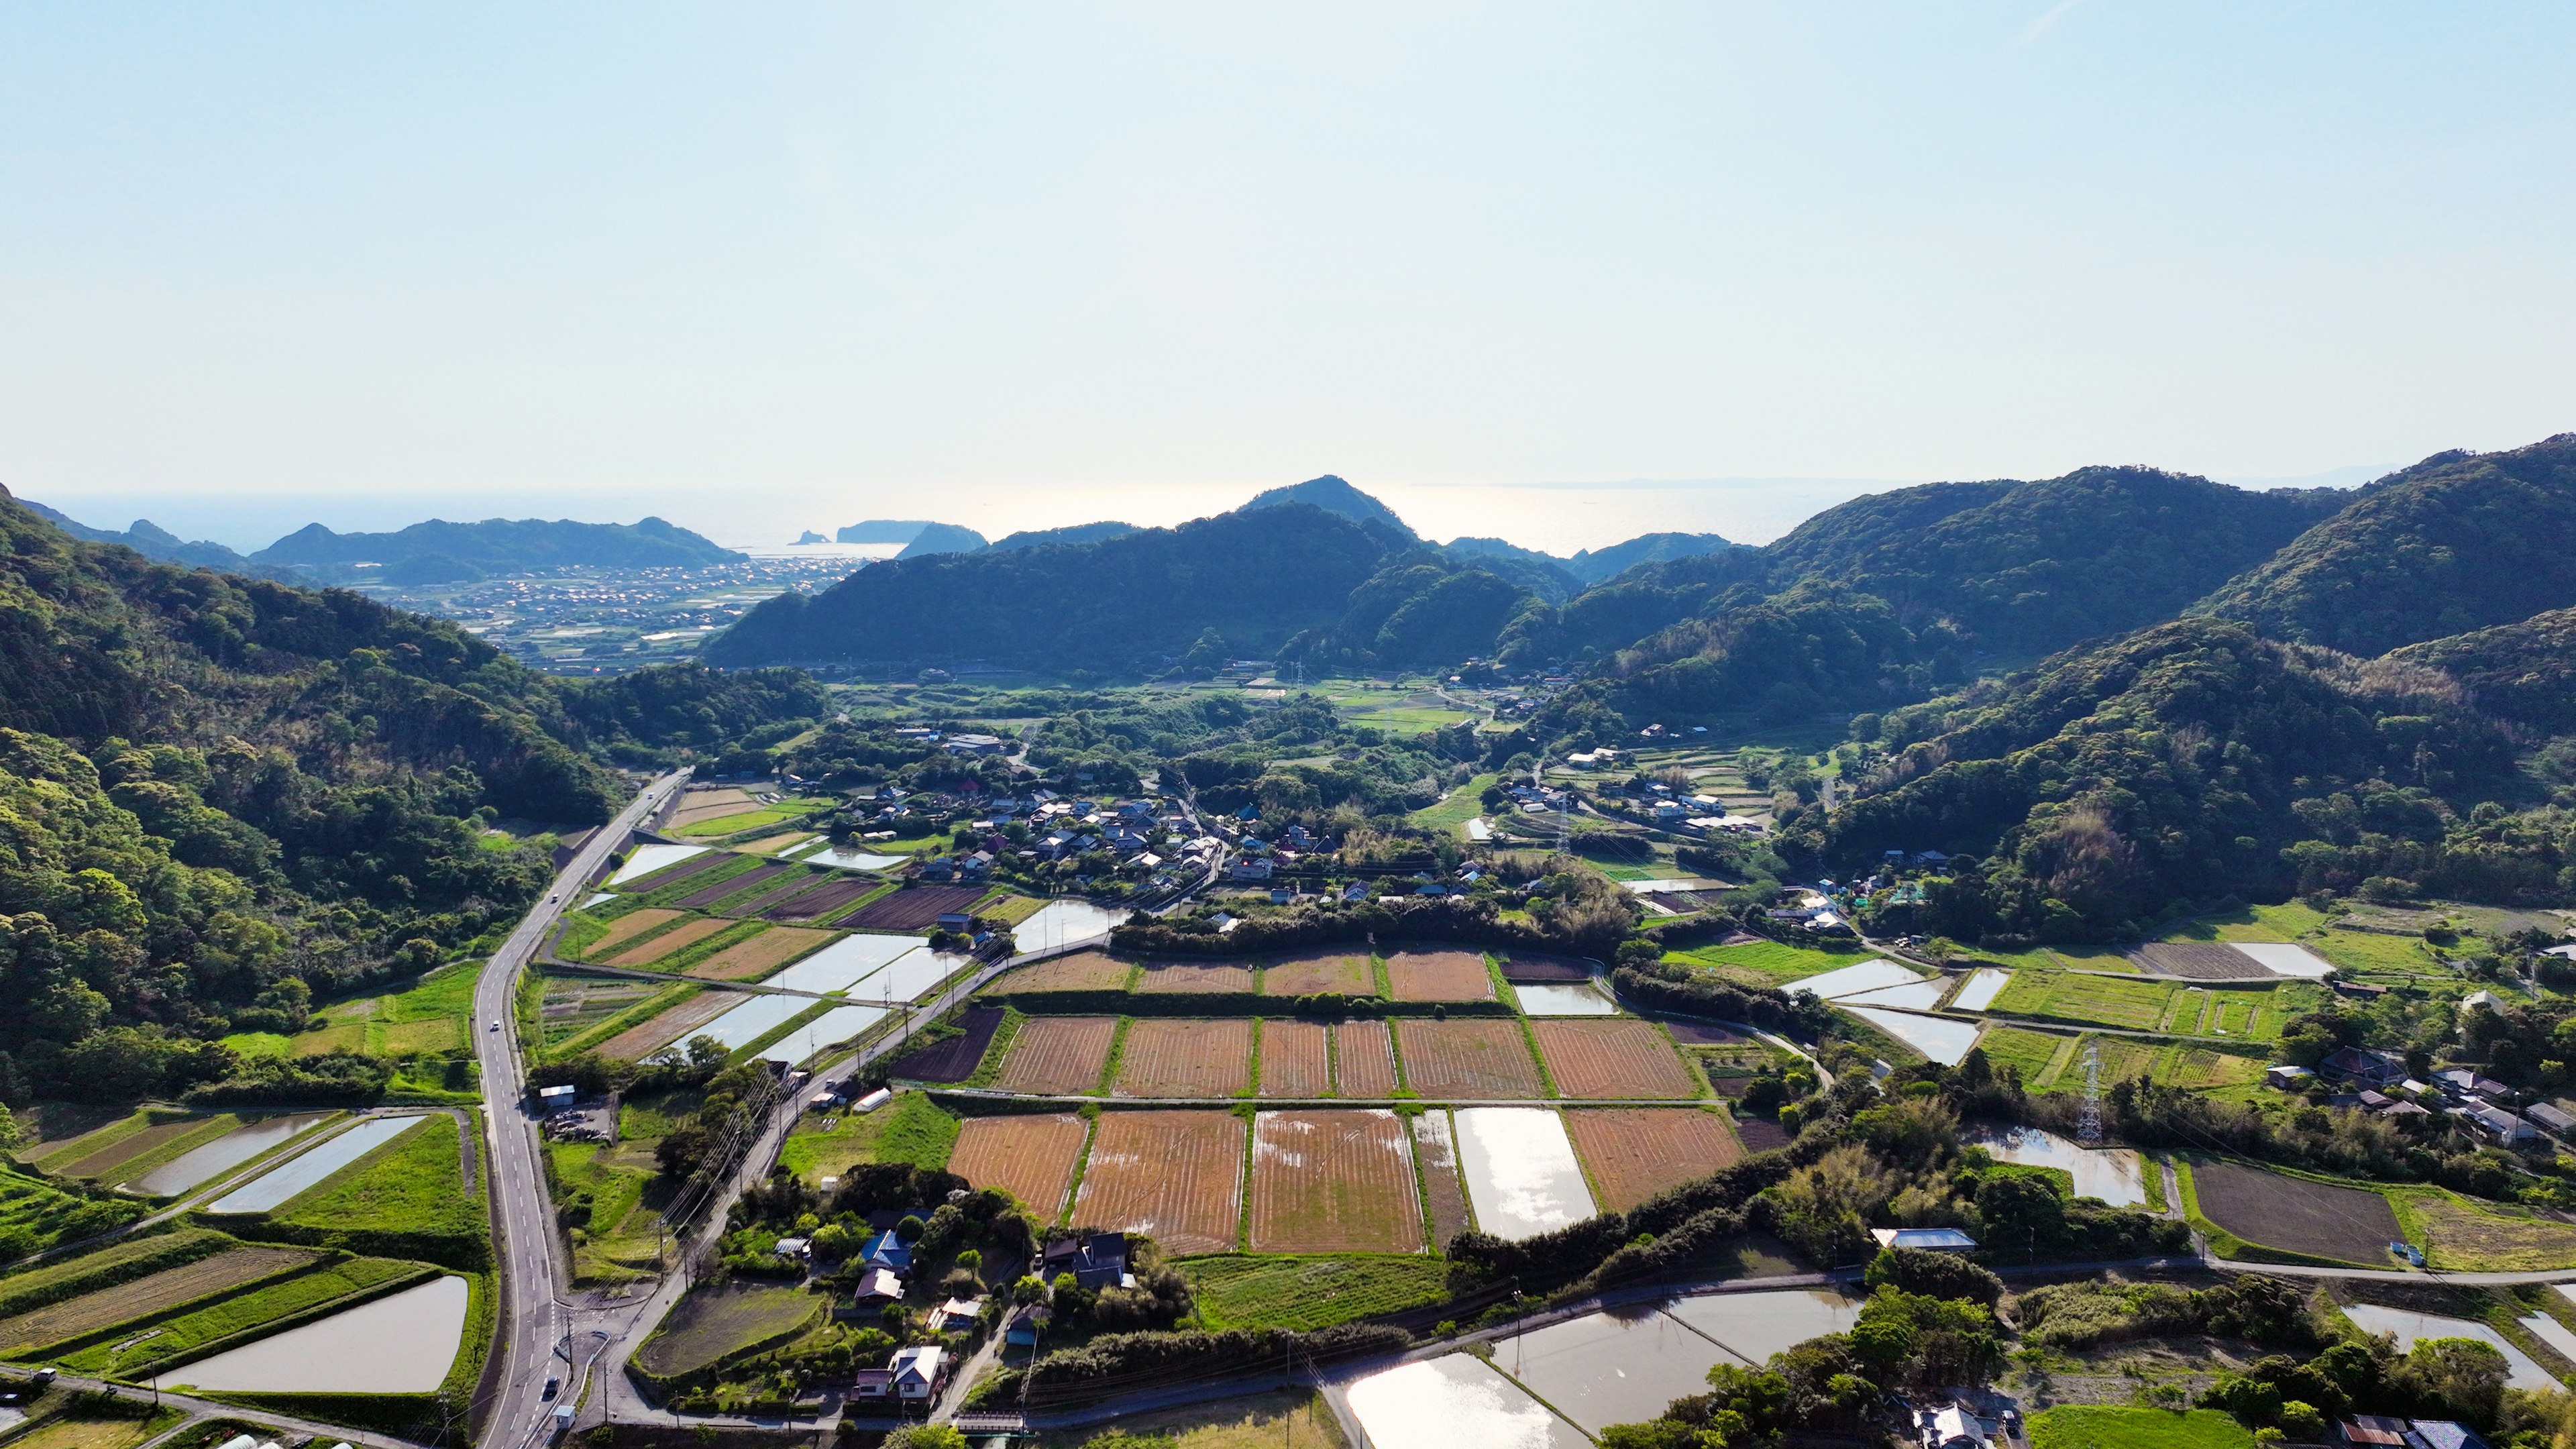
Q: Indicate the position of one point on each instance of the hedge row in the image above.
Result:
(175, 1250)
(1431, 918)
(466, 1252)
(1693, 994)
(1121, 1363)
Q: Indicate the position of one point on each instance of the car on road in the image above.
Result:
(552, 1385)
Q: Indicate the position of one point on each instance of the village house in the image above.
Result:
(1096, 1262)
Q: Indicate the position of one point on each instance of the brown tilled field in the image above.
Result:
(1333, 1182)
(784, 889)
(647, 1037)
(699, 805)
(1442, 1192)
(1179, 1057)
(114, 1155)
(751, 959)
(674, 874)
(1296, 1059)
(955, 1058)
(1194, 976)
(678, 938)
(1081, 971)
(1612, 1059)
(1438, 976)
(818, 901)
(629, 926)
(2295, 1215)
(1700, 1033)
(2207, 961)
(1363, 1062)
(1058, 1055)
(149, 1294)
(916, 908)
(1175, 1176)
(705, 896)
(1523, 968)
(1031, 1158)
(1451, 1060)
(1318, 974)
(1760, 1135)
(1636, 1152)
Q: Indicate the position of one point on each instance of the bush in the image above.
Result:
(1942, 1275)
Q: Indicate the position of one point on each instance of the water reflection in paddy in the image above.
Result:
(1059, 922)
(199, 1164)
(1457, 1402)
(1938, 1038)
(650, 858)
(403, 1344)
(1520, 1170)
(1755, 1326)
(297, 1173)
(2117, 1175)
(1611, 1368)
(1565, 1000)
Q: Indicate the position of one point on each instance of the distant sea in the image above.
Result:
(1557, 517)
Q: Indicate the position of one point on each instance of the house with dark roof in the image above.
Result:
(1096, 1262)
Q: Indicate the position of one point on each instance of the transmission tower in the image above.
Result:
(2089, 1127)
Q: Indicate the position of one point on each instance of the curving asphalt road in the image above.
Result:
(529, 1325)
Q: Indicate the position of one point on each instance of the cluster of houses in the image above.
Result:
(918, 1372)
(2374, 1431)
(956, 744)
(2377, 1082)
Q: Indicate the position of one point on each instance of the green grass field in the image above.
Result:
(619, 1234)
(762, 818)
(2370, 951)
(911, 1128)
(1309, 1293)
(2085, 1426)
(413, 1184)
(427, 1015)
(2054, 1062)
(34, 1214)
(715, 1322)
(2064, 996)
(1769, 959)
(1460, 806)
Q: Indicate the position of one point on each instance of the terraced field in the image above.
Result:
(1465, 1060)
(1031, 1158)
(155, 1293)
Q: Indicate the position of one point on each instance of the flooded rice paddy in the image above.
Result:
(837, 1025)
(1520, 1169)
(402, 1344)
(1941, 1040)
(755, 1018)
(847, 857)
(2285, 960)
(1566, 1000)
(310, 1166)
(1984, 985)
(1913, 995)
(2117, 1175)
(1619, 1367)
(839, 966)
(2412, 1327)
(1457, 1402)
(908, 977)
(202, 1164)
(1059, 923)
(1852, 980)
(650, 858)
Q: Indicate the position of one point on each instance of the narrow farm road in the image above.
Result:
(525, 1329)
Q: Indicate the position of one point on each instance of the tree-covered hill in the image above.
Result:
(441, 552)
(2459, 542)
(2027, 568)
(2523, 672)
(223, 798)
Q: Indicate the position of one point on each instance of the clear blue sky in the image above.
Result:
(760, 265)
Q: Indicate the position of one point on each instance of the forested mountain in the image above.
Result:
(1333, 495)
(2026, 568)
(2182, 763)
(2523, 672)
(1071, 533)
(222, 798)
(1418, 611)
(155, 542)
(1138, 602)
(443, 552)
(942, 538)
(2460, 541)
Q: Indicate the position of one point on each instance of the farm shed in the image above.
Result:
(1930, 1240)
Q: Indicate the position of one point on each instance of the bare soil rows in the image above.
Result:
(1194, 976)
(2294, 1214)
(1438, 976)
(1612, 1059)
(1059, 1055)
(1636, 1152)
(705, 896)
(674, 874)
(699, 805)
(1760, 1135)
(1333, 1182)
(1539, 970)
(148, 1294)
(793, 884)
(1178, 1057)
(1363, 1061)
(1031, 1158)
(1295, 1059)
(1700, 1033)
(818, 901)
(916, 908)
(1467, 1059)
(646, 1037)
(629, 926)
(1442, 1192)
(126, 1149)
(679, 937)
(751, 959)
(1319, 974)
(1176, 1176)
(1080, 971)
(2205, 961)
(955, 1059)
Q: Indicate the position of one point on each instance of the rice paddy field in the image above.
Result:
(1033, 1158)
(153, 1293)
(1181, 1057)
(1363, 1059)
(1079, 971)
(1296, 1059)
(1478, 1059)
(1612, 1059)
(1333, 1182)
(1176, 1176)
(1633, 1153)
(1056, 1056)
(1439, 976)
(2253, 1012)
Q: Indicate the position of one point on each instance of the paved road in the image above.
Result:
(208, 1409)
(528, 1326)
